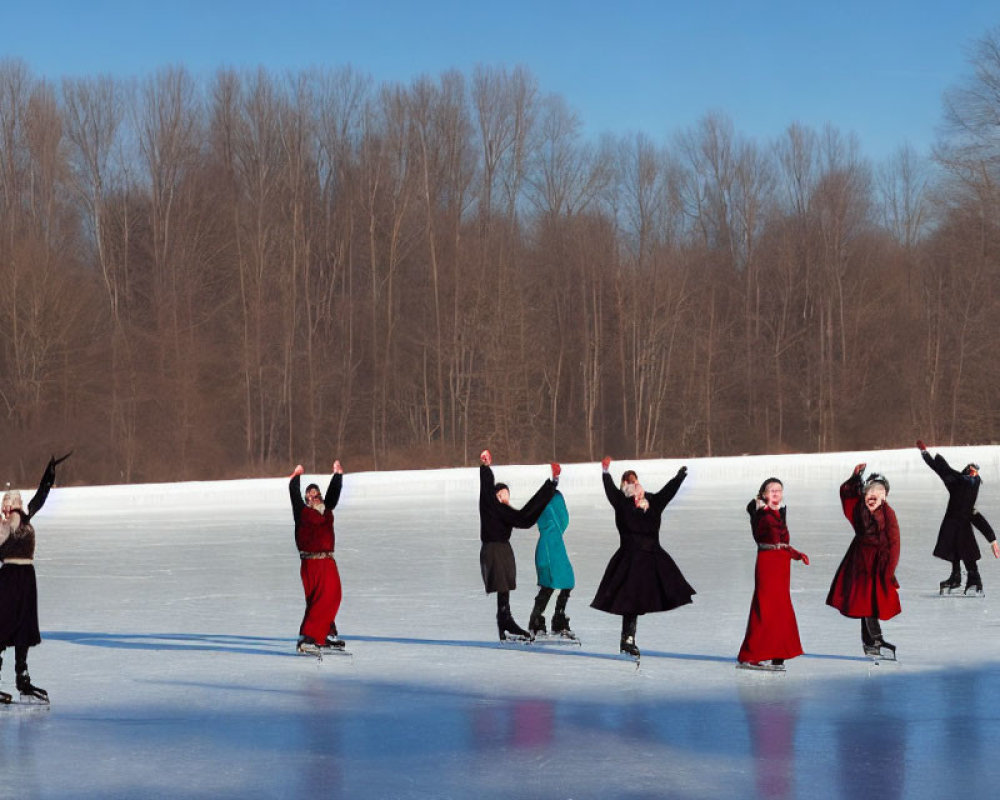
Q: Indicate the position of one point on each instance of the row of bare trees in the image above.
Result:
(204, 279)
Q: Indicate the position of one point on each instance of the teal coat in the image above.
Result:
(551, 560)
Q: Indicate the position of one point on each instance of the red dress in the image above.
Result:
(772, 631)
(865, 582)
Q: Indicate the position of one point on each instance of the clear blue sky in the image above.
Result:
(875, 68)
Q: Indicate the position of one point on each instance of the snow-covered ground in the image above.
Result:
(170, 613)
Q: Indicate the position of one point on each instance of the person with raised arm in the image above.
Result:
(315, 540)
(955, 541)
(497, 519)
(18, 588)
(772, 633)
(865, 586)
(641, 578)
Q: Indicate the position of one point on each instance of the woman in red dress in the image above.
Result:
(865, 585)
(772, 633)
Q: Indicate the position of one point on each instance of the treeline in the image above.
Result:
(208, 279)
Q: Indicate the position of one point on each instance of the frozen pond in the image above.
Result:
(170, 614)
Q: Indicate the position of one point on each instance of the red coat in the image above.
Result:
(865, 582)
(772, 631)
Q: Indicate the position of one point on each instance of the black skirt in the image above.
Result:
(496, 562)
(18, 606)
(641, 581)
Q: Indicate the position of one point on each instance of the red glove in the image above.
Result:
(556, 470)
(485, 458)
(859, 469)
(605, 463)
(799, 556)
(921, 445)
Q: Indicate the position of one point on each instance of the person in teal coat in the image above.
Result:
(555, 572)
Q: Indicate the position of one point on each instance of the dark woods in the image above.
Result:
(225, 278)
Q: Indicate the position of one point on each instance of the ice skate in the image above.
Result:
(973, 584)
(510, 631)
(775, 665)
(628, 647)
(334, 642)
(536, 624)
(308, 647)
(5, 699)
(29, 692)
(953, 581)
(560, 626)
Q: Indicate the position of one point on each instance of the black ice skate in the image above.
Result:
(5, 699)
(973, 584)
(560, 625)
(334, 642)
(954, 581)
(510, 631)
(536, 624)
(308, 647)
(29, 692)
(628, 647)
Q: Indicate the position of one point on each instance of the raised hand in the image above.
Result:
(486, 458)
(921, 446)
(859, 469)
(337, 468)
(682, 472)
(556, 470)
(297, 471)
(605, 463)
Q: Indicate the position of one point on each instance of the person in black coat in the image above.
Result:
(956, 542)
(497, 519)
(640, 578)
(18, 589)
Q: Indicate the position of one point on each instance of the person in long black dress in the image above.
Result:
(641, 578)
(18, 588)
(497, 519)
(956, 543)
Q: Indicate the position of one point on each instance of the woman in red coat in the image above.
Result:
(772, 633)
(865, 584)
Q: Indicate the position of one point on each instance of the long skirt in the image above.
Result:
(18, 606)
(956, 541)
(496, 562)
(772, 631)
(321, 582)
(862, 586)
(641, 581)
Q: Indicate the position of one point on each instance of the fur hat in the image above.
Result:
(12, 500)
(874, 478)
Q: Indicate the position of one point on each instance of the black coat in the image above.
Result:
(641, 577)
(955, 538)
(496, 523)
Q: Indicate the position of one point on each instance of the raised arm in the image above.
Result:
(336, 484)
(48, 479)
(850, 492)
(937, 463)
(295, 493)
(613, 493)
(659, 500)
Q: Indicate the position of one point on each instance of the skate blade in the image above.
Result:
(556, 640)
(761, 667)
(515, 643)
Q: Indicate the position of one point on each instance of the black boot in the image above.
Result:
(536, 624)
(953, 581)
(560, 622)
(628, 647)
(871, 636)
(25, 687)
(974, 582)
(505, 622)
(333, 641)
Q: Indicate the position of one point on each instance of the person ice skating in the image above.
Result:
(865, 586)
(497, 519)
(641, 578)
(772, 633)
(956, 542)
(555, 572)
(18, 589)
(314, 537)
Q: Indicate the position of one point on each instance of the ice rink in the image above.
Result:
(170, 612)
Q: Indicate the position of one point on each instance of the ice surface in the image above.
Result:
(170, 613)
